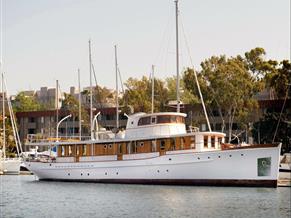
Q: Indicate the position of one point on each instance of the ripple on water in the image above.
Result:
(23, 196)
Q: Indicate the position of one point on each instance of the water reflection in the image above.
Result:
(23, 196)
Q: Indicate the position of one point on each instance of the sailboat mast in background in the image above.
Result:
(117, 92)
(177, 59)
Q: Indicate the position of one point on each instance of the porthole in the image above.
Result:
(198, 158)
(167, 170)
(69, 174)
(230, 155)
(81, 174)
(116, 173)
(50, 164)
(105, 173)
(110, 146)
(132, 122)
(88, 174)
(218, 156)
(141, 144)
(208, 157)
(158, 171)
(170, 158)
(241, 154)
(105, 146)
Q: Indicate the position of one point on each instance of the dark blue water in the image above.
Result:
(24, 196)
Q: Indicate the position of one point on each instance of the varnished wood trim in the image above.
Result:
(248, 147)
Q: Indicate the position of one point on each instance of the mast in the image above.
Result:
(91, 91)
(177, 59)
(80, 114)
(153, 88)
(3, 117)
(117, 92)
(12, 119)
(57, 102)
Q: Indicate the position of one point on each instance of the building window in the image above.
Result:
(31, 131)
(31, 120)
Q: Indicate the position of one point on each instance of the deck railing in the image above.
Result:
(39, 138)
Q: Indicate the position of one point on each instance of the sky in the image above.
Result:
(47, 40)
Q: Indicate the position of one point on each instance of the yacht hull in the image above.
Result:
(10, 166)
(234, 167)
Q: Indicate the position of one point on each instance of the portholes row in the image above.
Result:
(88, 174)
(158, 171)
(219, 156)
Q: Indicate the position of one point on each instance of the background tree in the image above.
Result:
(10, 141)
(280, 78)
(25, 103)
(71, 104)
(186, 96)
(138, 94)
(227, 85)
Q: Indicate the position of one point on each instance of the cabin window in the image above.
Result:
(63, 151)
(174, 119)
(182, 142)
(120, 148)
(154, 145)
(141, 144)
(172, 144)
(170, 119)
(77, 150)
(181, 119)
(133, 147)
(205, 141)
(212, 141)
(164, 119)
(219, 141)
(110, 146)
(84, 153)
(153, 119)
(105, 146)
(192, 145)
(70, 151)
(129, 147)
(144, 121)
(162, 145)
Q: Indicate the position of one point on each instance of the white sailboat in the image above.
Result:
(8, 165)
(157, 148)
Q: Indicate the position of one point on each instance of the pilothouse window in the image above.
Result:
(170, 119)
(144, 121)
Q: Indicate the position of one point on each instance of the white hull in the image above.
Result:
(226, 167)
(10, 166)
